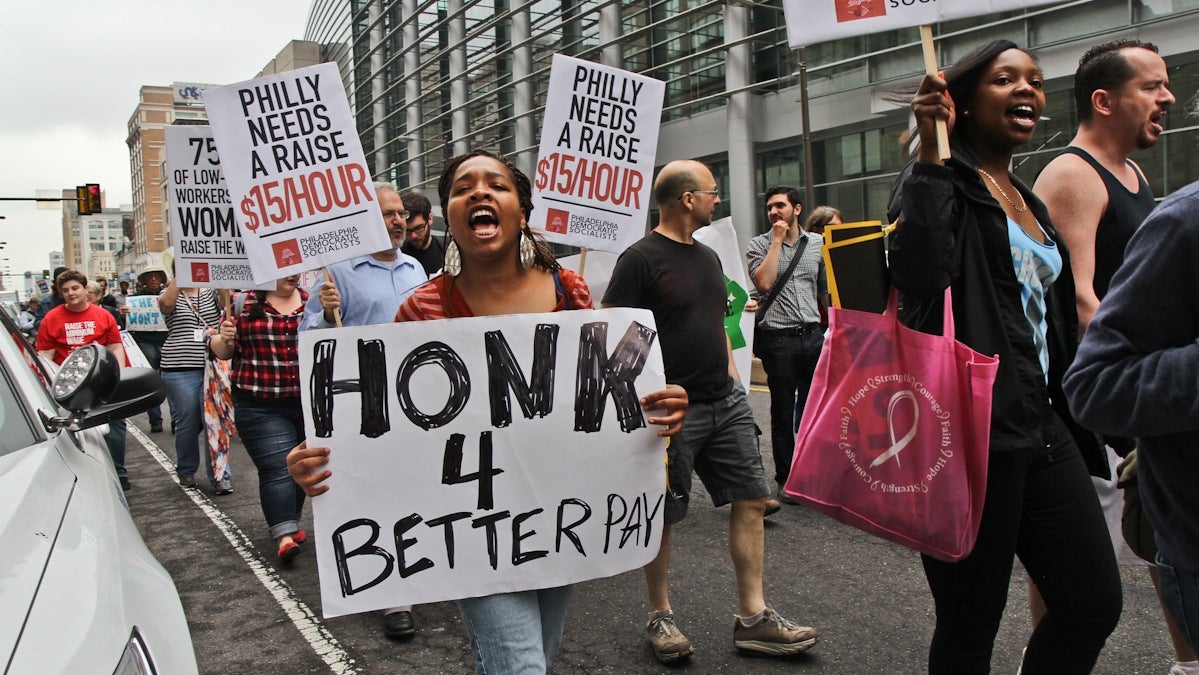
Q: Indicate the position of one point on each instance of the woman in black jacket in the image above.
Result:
(969, 224)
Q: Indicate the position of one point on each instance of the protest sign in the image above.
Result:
(812, 21)
(208, 246)
(482, 455)
(143, 313)
(137, 358)
(295, 169)
(595, 166)
(722, 238)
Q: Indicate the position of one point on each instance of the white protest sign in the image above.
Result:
(812, 21)
(295, 169)
(208, 247)
(483, 455)
(143, 313)
(722, 238)
(134, 353)
(595, 166)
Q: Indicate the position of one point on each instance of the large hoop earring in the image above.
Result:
(453, 259)
(527, 250)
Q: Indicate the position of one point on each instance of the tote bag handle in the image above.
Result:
(947, 327)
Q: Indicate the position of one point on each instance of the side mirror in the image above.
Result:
(95, 390)
(87, 378)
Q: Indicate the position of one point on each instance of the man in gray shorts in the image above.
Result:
(681, 281)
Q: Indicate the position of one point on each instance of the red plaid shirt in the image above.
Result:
(266, 360)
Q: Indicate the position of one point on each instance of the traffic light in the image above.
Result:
(81, 200)
(46, 274)
(93, 198)
(88, 197)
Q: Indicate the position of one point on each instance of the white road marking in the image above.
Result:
(304, 619)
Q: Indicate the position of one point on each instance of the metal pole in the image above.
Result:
(808, 172)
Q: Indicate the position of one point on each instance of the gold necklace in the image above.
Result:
(1019, 209)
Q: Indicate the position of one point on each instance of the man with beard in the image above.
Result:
(421, 243)
(788, 336)
(1097, 198)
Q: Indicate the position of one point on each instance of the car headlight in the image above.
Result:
(136, 658)
(88, 377)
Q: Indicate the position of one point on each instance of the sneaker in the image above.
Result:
(188, 482)
(667, 640)
(773, 636)
(156, 427)
(222, 487)
(786, 498)
(125, 484)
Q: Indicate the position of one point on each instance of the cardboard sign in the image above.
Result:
(143, 313)
(208, 249)
(296, 172)
(595, 167)
(812, 21)
(482, 455)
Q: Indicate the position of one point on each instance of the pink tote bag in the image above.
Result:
(895, 434)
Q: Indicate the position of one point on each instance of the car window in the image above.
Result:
(15, 430)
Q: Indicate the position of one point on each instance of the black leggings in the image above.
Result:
(1041, 507)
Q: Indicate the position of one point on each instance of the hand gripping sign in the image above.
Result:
(483, 455)
(296, 172)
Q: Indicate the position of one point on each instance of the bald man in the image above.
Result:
(682, 282)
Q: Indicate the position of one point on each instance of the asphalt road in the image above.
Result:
(867, 597)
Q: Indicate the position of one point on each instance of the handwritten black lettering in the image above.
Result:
(597, 375)
(451, 468)
(535, 396)
(404, 543)
(520, 557)
(441, 354)
(371, 384)
(367, 548)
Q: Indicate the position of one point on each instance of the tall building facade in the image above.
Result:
(428, 80)
(157, 108)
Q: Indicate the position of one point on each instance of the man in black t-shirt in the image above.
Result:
(421, 244)
(681, 281)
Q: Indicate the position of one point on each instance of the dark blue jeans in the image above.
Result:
(115, 440)
(789, 361)
(1042, 508)
(1180, 593)
(269, 431)
(153, 352)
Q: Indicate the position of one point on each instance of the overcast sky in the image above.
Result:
(71, 74)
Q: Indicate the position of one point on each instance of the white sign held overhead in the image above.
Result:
(595, 166)
(812, 21)
(208, 247)
(483, 455)
(296, 172)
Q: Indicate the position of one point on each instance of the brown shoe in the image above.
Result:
(772, 506)
(774, 636)
(667, 640)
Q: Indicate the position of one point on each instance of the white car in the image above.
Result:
(79, 590)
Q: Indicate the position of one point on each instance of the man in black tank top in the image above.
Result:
(1097, 198)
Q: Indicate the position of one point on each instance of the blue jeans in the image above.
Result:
(115, 439)
(269, 432)
(1180, 592)
(516, 632)
(185, 396)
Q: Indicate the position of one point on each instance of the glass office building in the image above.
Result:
(431, 78)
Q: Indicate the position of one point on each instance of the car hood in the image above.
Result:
(35, 488)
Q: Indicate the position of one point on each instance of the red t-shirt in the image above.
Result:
(65, 331)
(427, 302)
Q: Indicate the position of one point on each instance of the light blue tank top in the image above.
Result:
(1037, 267)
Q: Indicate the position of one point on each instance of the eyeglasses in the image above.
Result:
(389, 214)
(715, 192)
(419, 228)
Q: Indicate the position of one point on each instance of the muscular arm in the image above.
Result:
(1076, 199)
